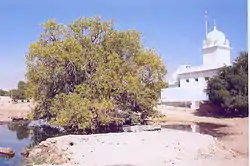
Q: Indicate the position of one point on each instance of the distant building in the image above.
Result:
(189, 82)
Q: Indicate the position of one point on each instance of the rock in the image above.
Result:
(25, 153)
(154, 128)
(7, 151)
(35, 151)
(50, 152)
(44, 124)
(39, 123)
(14, 119)
(140, 128)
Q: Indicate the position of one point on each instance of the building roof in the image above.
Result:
(187, 69)
(194, 69)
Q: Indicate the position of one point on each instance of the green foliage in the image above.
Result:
(3, 92)
(229, 90)
(87, 74)
(16, 94)
(20, 92)
(21, 86)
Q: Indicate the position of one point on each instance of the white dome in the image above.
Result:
(216, 36)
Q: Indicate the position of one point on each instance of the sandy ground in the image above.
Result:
(235, 137)
(167, 147)
(150, 148)
(234, 130)
(9, 109)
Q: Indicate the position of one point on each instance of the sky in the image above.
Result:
(174, 28)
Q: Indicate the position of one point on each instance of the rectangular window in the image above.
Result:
(187, 80)
(196, 79)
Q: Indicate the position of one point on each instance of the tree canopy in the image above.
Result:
(21, 85)
(88, 74)
(229, 90)
(3, 92)
(20, 92)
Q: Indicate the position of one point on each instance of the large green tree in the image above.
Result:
(229, 90)
(88, 74)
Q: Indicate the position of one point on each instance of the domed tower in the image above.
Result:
(216, 49)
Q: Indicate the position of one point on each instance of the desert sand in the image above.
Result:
(149, 148)
(9, 109)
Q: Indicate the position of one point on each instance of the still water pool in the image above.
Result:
(202, 128)
(18, 136)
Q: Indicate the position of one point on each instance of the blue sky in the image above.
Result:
(175, 28)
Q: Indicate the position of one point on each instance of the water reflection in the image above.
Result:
(39, 134)
(22, 130)
(6, 156)
(203, 128)
(35, 134)
(19, 136)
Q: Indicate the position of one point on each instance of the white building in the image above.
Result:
(189, 82)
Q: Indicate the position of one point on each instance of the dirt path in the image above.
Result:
(237, 135)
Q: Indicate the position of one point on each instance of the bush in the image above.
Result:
(229, 90)
(3, 93)
(87, 74)
(17, 94)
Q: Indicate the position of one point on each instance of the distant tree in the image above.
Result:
(7, 93)
(229, 90)
(21, 86)
(20, 92)
(3, 92)
(88, 74)
(17, 94)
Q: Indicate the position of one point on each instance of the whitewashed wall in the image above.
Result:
(201, 78)
(183, 94)
(216, 56)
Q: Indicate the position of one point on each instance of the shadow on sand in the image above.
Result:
(215, 130)
(210, 110)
